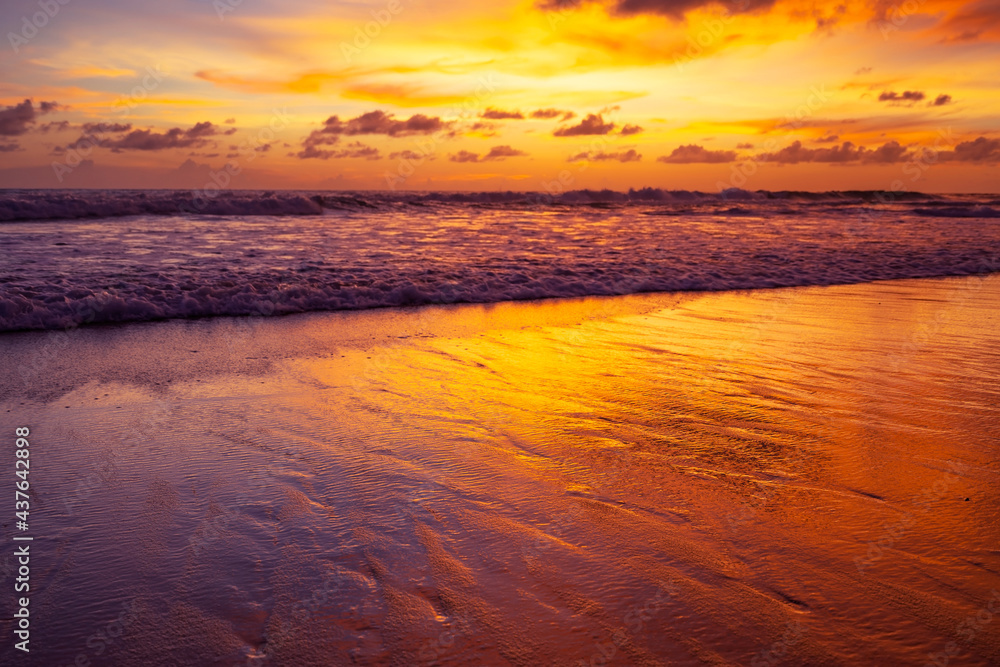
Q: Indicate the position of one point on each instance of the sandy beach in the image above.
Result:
(791, 476)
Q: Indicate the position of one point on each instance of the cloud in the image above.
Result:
(411, 155)
(552, 113)
(592, 124)
(106, 128)
(828, 138)
(148, 140)
(20, 118)
(98, 135)
(889, 153)
(910, 96)
(8, 148)
(941, 100)
(354, 149)
(693, 153)
(54, 126)
(496, 153)
(464, 156)
(974, 21)
(230, 121)
(630, 129)
(373, 122)
(625, 156)
(674, 9)
(498, 114)
(380, 122)
(485, 129)
(978, 150)
(502, 152)
(744, 146)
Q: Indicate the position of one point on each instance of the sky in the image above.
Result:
(535, 95)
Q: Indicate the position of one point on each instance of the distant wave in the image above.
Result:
(27, 205)
(969, 211)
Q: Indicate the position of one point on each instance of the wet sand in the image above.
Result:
(793, 476)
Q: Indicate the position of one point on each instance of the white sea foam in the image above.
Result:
(79, 257)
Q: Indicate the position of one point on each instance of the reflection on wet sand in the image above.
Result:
(800, 476)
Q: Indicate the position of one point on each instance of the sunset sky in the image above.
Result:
(429, 94)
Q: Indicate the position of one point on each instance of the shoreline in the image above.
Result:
(727, 472)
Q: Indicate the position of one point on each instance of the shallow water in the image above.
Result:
(403, 250)
(769, 477)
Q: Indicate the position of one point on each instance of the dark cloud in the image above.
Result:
(889, 153)
(744, 147)
(496, 153)
(148, 140)
(978, 150)
(485, 128)
(501, 152)
(630, 129)
(373, 122)
(464, 156)
(693, 153)
(553, 113)
(499, 114)
(941, 100)
(592, 124)
(411, 155)
(54, 126)
(20, 118)
(106, 128)
(826, 139)
(624, 156)
(910, 96)
(98, 134)
(380, 122)
(974, 21)
(354, 149)
(8, 148)
(672, 8)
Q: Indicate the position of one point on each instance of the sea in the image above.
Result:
(85, 257)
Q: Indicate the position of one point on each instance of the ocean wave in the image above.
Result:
(28, 205)
(968, 211)
(391, 250)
